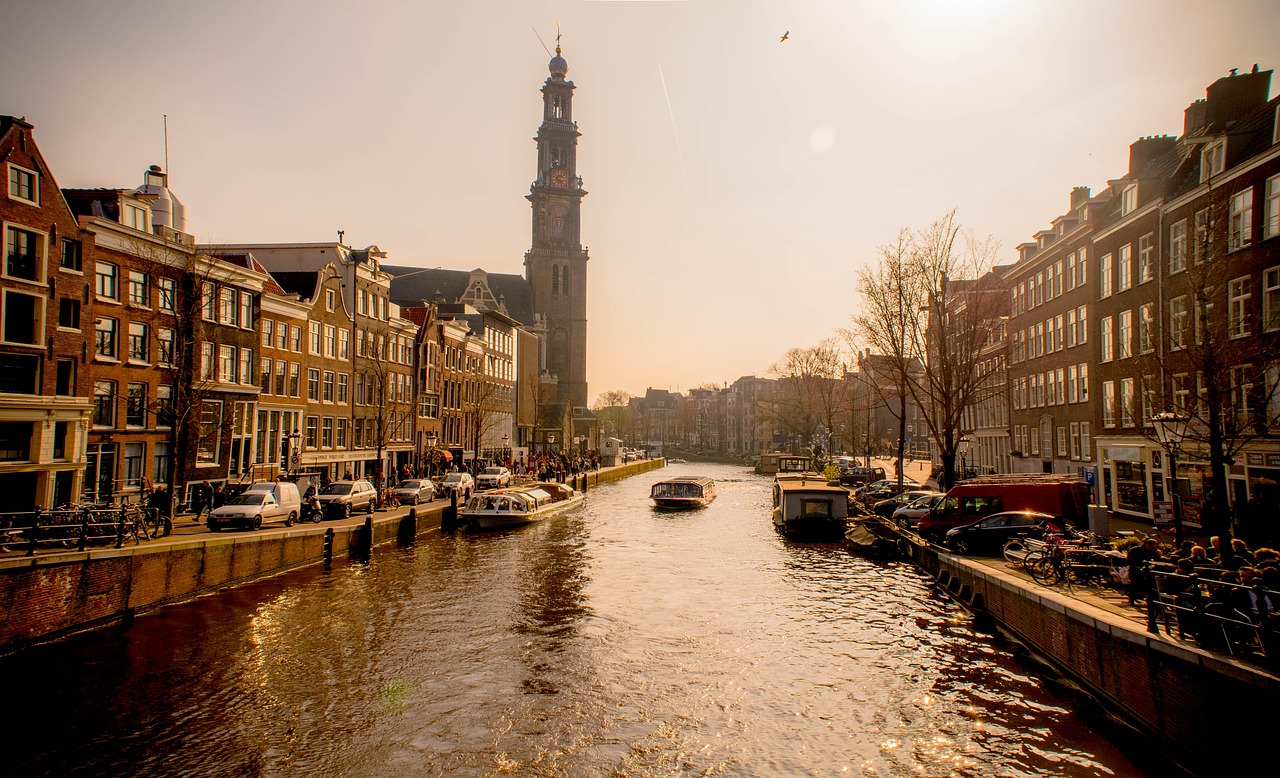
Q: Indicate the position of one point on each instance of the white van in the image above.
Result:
(288, 499)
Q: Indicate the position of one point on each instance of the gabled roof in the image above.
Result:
(448, 286)
(246, 260)
(300, 282)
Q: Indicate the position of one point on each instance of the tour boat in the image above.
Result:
(513, 507)
(805, 505)
(773, 462)
(688, 491)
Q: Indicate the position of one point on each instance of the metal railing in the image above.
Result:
(78, 527)
(1218, 615)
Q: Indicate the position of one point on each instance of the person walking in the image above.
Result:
(201, 496)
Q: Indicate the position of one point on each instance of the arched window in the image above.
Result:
(564, 282)
(555, 279)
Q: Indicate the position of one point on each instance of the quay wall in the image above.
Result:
(1207, 710)
(52, 594)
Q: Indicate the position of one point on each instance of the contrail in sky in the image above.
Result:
(684, 173)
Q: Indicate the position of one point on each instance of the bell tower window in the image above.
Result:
(557, 107)
(555, 280)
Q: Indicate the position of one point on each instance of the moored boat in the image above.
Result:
(513, 507)
(689, 491)
(773, 462)
(870, 538)
(807, 506)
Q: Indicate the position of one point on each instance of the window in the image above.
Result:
(341, 440)
(1271, 209)
(343, 381)
(65, 378)
(1238, 295)
(1081, 268)
(294, 379)
(1148, 399)
(1085, 452)
(165, 340)
(104, 403)
(246, 366)
(226, 364)
(135, 405)
(1241, 387)
(295, 339)
(281, 387)
(1108, 404)
(1271, 299)
(246, 310)
(1106, 276)
(313, 384)
(135, 217)
(1146, 328)
(1082, 313)
(327, 392)
(139, 342)
(24, 184)
(104, 337)
(330, 300)
(326, 432)
(1125, 262)
(1126, 402)
(1125, 349)
(1240, 224)
(1146, 257)
(208, 361)
(1203, 312)
(313, 427)
(1201, 250)
(208, 302)
(1108, 340)
(282, 336)
(1075, 440)
(166, 294)
(71, 255)
(1062, 441)
(69, 313)
(344, 344)
(162, 461)
(267, 370)
(330, 341)
(107, 281)
(209, 441)
(1177, 323)
(139, 289)
(1212, 160)
(268, 333)
(1129, 199)
(1178, 247)
(227, 306)
(1181, 391)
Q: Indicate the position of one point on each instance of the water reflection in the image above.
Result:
(610, 641)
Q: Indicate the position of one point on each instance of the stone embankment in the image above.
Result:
(1209, 711)
(49, 595)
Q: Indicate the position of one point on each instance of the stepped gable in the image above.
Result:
(448, 286)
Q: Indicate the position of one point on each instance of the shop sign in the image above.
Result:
(1125, 453)
(1255, 460)
(1164, 512)
(1273, 460)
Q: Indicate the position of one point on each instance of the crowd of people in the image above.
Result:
(1223, 599)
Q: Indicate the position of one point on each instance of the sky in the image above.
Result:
(737, 182)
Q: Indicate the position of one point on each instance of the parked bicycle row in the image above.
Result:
(80, 526)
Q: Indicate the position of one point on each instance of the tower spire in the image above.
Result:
(557, 39)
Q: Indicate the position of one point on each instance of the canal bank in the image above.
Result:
(49, 595)
(1206, 710)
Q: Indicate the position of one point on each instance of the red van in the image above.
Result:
(972, 500)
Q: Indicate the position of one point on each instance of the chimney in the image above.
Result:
(1194, 117)
(1145, 149)
(1079, 196)
(1232, 97)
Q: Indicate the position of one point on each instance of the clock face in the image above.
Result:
(559, 178)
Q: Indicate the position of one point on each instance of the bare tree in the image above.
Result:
(614, 407)
(806, 396)
(932, 304)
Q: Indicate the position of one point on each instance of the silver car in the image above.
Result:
(341, 498)
(414, 491)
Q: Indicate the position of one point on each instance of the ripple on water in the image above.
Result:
(615, 640)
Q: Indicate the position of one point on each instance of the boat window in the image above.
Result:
(815, 507)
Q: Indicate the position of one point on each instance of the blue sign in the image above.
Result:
(1091, 476)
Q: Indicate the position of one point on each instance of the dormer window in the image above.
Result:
(136, 217)
(1129, 200)
(1213, 160)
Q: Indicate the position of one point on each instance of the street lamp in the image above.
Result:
(431, 452)
(965, 440)
(1171, 429)
(292, 438)
(506, 439)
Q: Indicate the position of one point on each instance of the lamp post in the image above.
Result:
(506, 439)
(1171, 429)
(431, 452)
(965, 440)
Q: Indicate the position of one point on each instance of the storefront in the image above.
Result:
(1132, 473)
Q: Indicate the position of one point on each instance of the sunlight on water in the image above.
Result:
(616, 640)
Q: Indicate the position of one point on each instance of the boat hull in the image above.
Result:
(681, 503)
(812, 527)
(483, 521)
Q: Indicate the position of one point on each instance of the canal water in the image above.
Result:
(612, 641)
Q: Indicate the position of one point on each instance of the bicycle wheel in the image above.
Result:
(1044, 571)
(1031, 559)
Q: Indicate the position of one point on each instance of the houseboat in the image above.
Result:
(807, 506)
(690, 491)
(774, 462)
(513, 507)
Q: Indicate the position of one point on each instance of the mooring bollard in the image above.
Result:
(328, 546)
(584, 483)
(367, 540)
(408, 530)
(449, 516)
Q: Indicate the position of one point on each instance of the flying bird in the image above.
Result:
(785, 35)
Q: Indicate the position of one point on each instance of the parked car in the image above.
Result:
(907, 516)
(883, 490)
(342, 498)
(986, 537)
(886, 507)
(414, 491)
(860, 476)
(461, 483)
(968, 502)
(494, 478)
(286, 493)
(249, 510)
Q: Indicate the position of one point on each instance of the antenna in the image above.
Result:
(166, 145)
(539, 37)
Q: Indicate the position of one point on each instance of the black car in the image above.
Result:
(860, 476)
(987, 536)
(886, 507)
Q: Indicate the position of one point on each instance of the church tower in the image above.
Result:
(556, 263)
